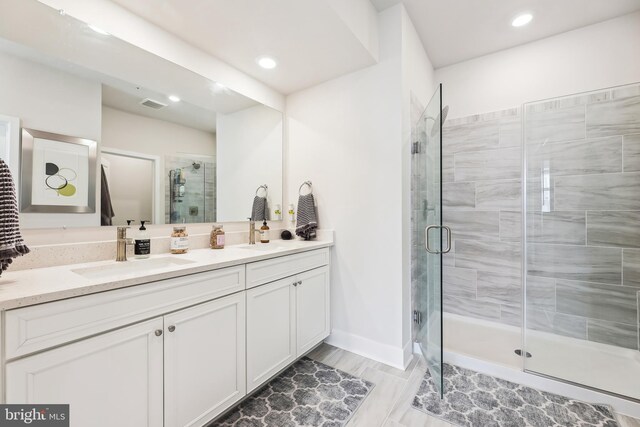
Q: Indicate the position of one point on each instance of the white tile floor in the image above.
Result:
(389, 404)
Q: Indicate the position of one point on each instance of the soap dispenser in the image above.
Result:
(143, 243)
(264, 232)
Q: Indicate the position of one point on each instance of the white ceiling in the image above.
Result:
(456, 30)
(308, 38)
(312, 43)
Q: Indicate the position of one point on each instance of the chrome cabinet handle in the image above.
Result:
(158, 332)
(171, 328)
(426, 239)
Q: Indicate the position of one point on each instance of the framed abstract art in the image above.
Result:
(58, 173)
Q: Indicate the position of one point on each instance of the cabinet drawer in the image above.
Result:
(270, 270)
(38, 327)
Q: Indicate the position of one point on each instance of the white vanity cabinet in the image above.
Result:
(181, 368)
(172, 353)
(271, 330)
(312, 309)
(114, 379)
(287, 317)
(204, 361)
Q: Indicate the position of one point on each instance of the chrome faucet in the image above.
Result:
(121, 244)
(252, 231)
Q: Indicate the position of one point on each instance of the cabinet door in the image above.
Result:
(312, 308)
(204, 367)
(114, 379)
(271, 339)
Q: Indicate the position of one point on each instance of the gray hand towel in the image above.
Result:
(307, 221)
(11, 243)
(106, 207)
(259, 209)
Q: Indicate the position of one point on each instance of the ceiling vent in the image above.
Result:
(156, 105)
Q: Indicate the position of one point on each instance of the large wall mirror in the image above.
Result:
(172, 146)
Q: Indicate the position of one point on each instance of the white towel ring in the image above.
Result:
(264, 187)
(308, 184)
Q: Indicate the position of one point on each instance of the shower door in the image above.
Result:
(429, 235)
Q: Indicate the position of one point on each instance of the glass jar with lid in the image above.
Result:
(179, 240)
(217, 237)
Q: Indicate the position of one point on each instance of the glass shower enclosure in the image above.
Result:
(582, 239)
(431, 238)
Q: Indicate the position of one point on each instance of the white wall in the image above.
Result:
(349, 137)
(589, 58)
(134, 133)
(52, 101)
(130, 198)
(249, 154)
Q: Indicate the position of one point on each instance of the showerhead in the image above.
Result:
(196, 165)
(435, 129)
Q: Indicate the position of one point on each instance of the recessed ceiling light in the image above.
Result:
(267, 62)
(219, 85)
(174, 98)
(522, 20)
(98, 30)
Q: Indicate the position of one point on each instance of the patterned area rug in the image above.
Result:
(478, 400)
(308, 393)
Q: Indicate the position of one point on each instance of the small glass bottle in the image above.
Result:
(179, 240)
(264, 233)
(217, 237)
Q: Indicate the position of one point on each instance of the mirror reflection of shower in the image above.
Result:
(190, 190)
(178, 181)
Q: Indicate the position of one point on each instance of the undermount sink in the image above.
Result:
(128, 267)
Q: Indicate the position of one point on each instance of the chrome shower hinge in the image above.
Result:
(417, 317)
(415, 147)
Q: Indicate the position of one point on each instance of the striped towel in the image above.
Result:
(11, 244)
(307, 221)
(259, 209)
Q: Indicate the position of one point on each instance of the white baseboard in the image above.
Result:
(389, 355)
(407, 352)
(621, 406)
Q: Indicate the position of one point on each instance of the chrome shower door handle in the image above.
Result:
(448, 248)
(426, 239)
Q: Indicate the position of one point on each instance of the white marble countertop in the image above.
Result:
(40, 285)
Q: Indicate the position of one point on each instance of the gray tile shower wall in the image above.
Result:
(583, 243)
(482, 162)
(583, 238)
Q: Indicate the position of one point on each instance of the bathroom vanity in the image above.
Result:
(173, 342)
